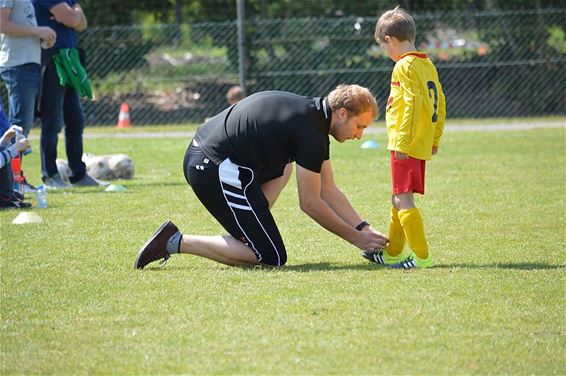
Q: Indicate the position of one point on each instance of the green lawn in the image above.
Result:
(494, 304)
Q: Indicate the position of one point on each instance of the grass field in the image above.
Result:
(494, 304)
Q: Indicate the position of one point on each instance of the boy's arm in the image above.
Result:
(409, 84)
(439, 129)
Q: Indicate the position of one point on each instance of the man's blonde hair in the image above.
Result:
(354, 98)
(395, 23)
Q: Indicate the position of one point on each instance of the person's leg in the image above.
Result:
(272, 188)
(51, 120)
(394, 250)
(223, 249)
(74, 126)
(22, 83)
(412, 224)
(407, 177)
(233, 196)
(6, 181)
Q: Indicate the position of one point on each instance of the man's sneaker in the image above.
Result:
(413, 262)
(89, 181)
(55, 182)
(156, 247)
(382, 258)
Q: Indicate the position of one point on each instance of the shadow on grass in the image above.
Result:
(518, 266)
(142, 183)
(323, 266)
(326, 266)
(312, 267)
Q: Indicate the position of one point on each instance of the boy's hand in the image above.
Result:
(434, 150)
(399, 155)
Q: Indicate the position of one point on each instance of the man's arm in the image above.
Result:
(71, 17)
(14, 29)
(309, 185)
(335, 198)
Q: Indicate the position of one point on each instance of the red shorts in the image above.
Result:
(407, 175)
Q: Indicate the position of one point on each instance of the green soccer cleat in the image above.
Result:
(413, 262)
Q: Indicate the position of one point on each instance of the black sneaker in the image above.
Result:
(19, 196)
(12, 203)
(374, 256)
(156, 247)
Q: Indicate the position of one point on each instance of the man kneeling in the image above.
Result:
(240, 160)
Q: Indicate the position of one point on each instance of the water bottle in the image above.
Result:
(19, 136)
(41, 196)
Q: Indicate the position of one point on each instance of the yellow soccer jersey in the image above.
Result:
(416, 108)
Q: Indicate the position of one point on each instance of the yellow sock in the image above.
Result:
(413, 227)
(396, 234)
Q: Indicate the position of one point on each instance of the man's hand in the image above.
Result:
(82, 25)
(73, 18)
(399, 155)
(434, 150)
(370, 239)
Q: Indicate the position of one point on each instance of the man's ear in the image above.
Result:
(342, 112)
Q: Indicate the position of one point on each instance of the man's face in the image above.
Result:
(349, 127)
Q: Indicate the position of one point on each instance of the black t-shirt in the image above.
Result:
(269, 128)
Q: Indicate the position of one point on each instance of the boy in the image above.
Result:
(415, 114)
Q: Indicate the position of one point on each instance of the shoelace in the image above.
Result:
(163, 261)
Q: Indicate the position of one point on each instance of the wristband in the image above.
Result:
(361, 226)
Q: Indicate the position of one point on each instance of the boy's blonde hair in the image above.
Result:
(354, 98)
(395, 23)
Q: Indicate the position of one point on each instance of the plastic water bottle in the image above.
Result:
(19, 136)
(41, 196)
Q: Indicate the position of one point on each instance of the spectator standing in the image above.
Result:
(20, 59)
(60, 105)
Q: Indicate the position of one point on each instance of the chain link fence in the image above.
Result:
(490, 64)
(496, 64)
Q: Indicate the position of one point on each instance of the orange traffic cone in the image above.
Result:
(124, 117)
